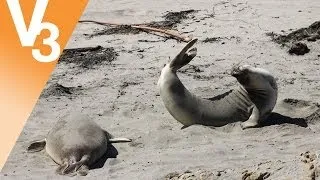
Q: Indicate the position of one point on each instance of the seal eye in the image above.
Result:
(239, 71)
(245, 71)
(244, 78)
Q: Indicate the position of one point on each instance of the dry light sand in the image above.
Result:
(115, 84)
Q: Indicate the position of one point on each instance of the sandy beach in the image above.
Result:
(111, 74)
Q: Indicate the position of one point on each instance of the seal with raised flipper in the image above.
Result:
(251, 103)
(75, 143)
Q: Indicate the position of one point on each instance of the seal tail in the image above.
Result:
(119, 140)
(184, 56)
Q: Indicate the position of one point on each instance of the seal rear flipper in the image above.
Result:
(36, 146)
(71, 168)
(61, 169)
(119, 140)
(83, 170)
(184, 57)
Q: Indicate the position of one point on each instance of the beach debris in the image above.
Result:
(299, 48)
(160, 28)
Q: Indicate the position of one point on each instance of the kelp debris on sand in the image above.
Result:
(171, 20)
(310, 33)
(89, 57)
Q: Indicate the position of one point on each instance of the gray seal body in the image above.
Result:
(75, 144)
(250, 103)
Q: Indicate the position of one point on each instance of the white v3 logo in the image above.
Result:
(28, 35)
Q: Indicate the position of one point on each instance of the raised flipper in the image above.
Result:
(36, 146)
(253, 120)
(184, 57)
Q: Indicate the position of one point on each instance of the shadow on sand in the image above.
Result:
(112, 152)
(277, 119)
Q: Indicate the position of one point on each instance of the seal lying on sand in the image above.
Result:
(250, 103)
(75, 144)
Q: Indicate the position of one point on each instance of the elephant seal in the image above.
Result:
(75, 144)
(250, 103)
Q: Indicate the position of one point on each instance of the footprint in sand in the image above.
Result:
(313, 164)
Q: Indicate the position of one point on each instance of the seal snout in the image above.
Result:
(238, 71)
(235, 72)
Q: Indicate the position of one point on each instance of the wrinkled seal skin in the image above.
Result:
(75, 144)
(250, 103)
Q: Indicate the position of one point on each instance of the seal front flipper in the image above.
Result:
(36, 146)
(119, 140)
(83, 170)
(185, 126)
(253, 120)
(112, 139)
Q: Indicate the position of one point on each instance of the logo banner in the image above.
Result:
(33, 35)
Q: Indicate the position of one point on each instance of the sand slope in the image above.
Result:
(120, 93)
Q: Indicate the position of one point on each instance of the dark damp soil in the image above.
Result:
(213, 39)
(124, 85)
(171, 20)
(90, 57)
(121, 29)
(299, 103)
(218, 39)
(311, 33)
(190, 69)
(58, 90)
(246, 175)
(299, 49)
(193, 174)
(174, 18)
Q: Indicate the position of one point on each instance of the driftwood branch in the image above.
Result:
(170, 33)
